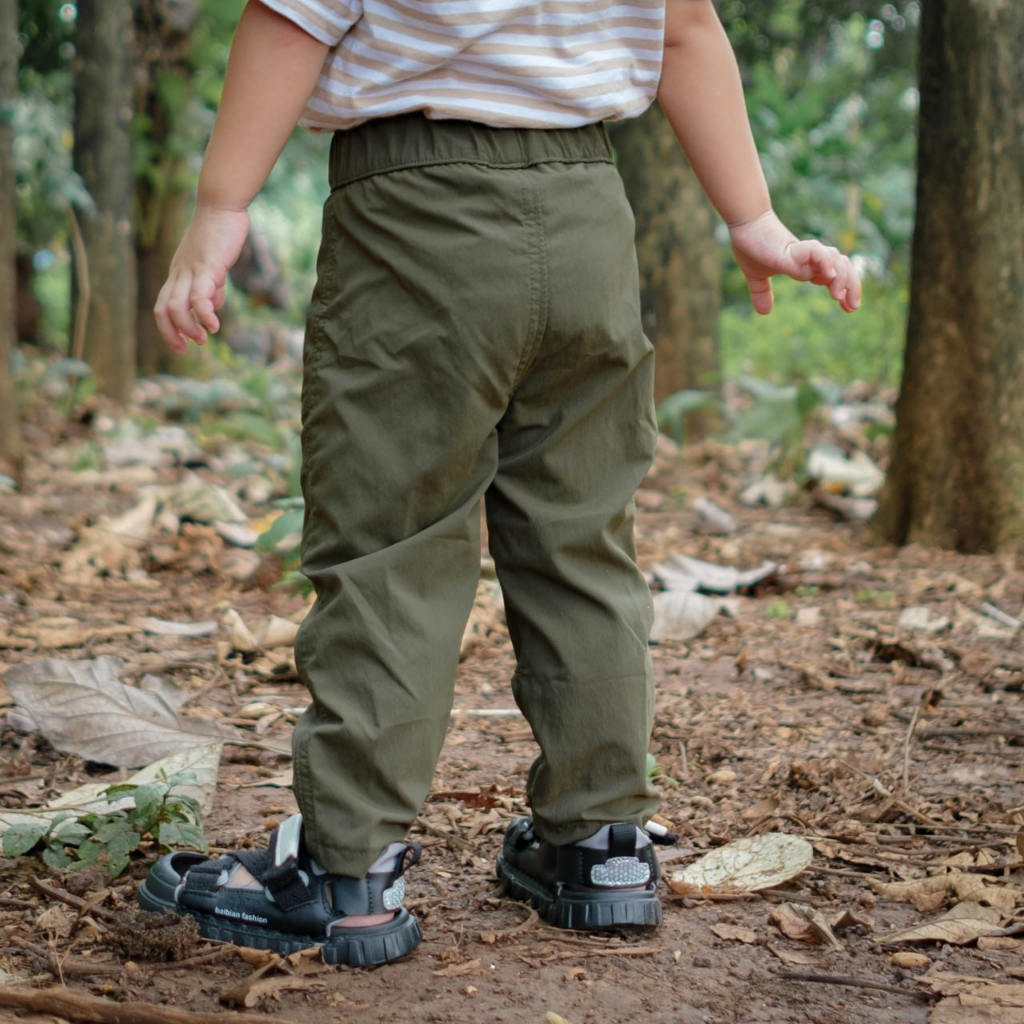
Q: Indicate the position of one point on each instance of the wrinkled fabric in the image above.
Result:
(474, 335)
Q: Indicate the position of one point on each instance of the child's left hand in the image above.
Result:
(765, 247)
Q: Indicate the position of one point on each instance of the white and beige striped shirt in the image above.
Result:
(504, 63)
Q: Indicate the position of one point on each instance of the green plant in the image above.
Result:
(107, 840)
(284, 538)
(807, 335)
(673, 410)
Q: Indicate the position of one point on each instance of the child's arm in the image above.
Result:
(271, 73)
(702, 96)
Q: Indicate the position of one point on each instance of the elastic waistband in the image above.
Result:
(412, 140)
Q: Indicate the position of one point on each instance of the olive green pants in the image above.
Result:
(474, 333)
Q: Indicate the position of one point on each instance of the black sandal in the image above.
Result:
(298, 906)
(584, 886)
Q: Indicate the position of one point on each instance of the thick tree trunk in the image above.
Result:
(10, 430)
(679, 263)
(957, 474)
(102, 156)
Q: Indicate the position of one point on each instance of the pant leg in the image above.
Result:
(574, 445)
(417, 328)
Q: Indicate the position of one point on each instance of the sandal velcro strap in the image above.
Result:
(205, 877)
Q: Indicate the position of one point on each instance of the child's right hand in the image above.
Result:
(764, 247)
(194, 290)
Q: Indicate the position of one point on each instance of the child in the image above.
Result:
(474, 333)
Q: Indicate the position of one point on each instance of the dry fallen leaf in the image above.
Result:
(804, 924)
(964, 924)
(973, 1000)
(83, 708)
(746, 865)
(735, 933)
(253, 990)
(794, 956)
(458, 970)
(927, 894)
(54, 922)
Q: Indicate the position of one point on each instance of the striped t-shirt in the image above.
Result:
(504, 63)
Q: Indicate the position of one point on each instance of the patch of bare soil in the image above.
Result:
(894, 743)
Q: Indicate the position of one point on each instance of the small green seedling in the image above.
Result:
(107, 840)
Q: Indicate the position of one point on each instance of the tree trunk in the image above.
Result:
(11, 453)
(957, 473)
(102, 156)
(680, 286)
(163, 54)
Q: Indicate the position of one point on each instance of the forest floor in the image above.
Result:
(892, 741)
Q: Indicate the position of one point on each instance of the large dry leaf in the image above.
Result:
(964, 924)
(973, 1000)
(202, 762)
(681, 615)
(82, 708)
(929, 893)
(746, 865)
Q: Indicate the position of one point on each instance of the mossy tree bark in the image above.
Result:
(102, 156)
(957, 474)
(10, 430)
(680, 276)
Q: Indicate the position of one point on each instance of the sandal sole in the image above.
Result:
(582, 911)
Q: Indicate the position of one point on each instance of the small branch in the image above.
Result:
(84, 284)
(1000, 616)
(72, 901)
(77, 1006)
(456, 841)
(842, 979)
(1010, 734)
(905, 787)
(532, 919)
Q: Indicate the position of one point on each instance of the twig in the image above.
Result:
(81, 966)
(64, 967)
(1000, 616)
(842, 979)
(462, 844)
(84, 284)
(905, 787)
(72, 901)
(931, 734)
(10, 901)
(77, 1006)
(532, 918)
(614, 951)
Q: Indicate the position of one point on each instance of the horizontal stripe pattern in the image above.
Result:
(504, 63)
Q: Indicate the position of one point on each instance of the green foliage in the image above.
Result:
(831, 90)
(108, 840)
(45, 184)
(807, 335)
(673, 410)
(285, 537)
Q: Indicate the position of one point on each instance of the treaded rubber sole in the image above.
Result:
(353, 947)
(582, 911)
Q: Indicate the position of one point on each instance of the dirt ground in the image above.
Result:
(894, 743)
